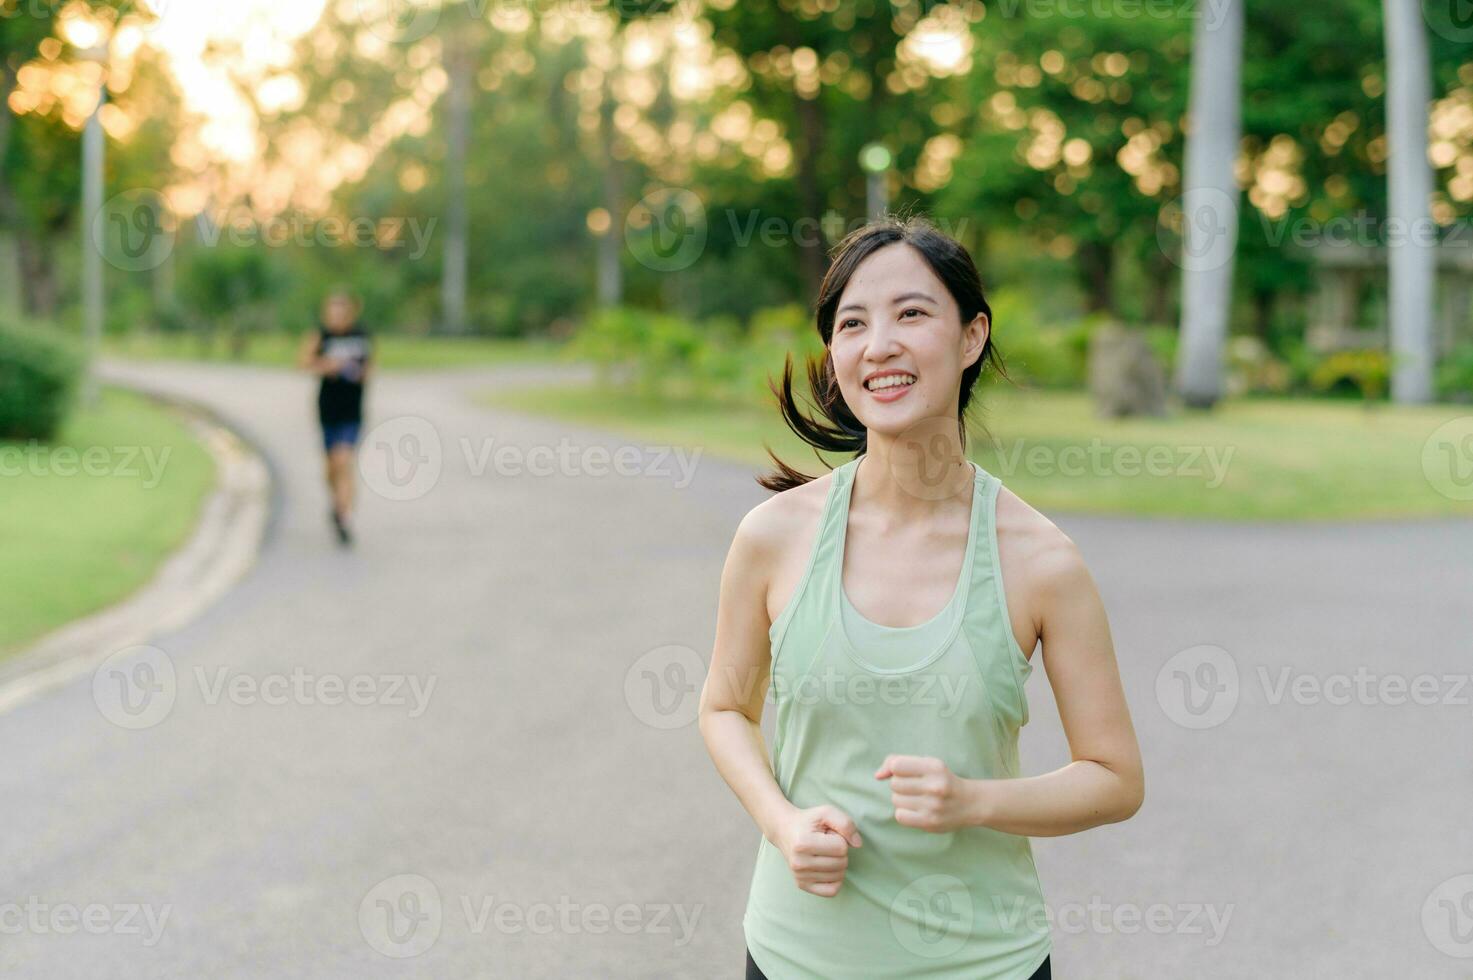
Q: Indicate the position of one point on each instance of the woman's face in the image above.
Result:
(337, 312)
(898, 345)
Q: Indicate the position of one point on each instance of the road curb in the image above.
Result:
(220, 551)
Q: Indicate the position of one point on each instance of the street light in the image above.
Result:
(92, 164)
(875, 160)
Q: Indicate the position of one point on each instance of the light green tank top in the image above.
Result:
(848, 692)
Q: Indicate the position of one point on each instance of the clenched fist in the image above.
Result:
(816, 842)
(926, 794)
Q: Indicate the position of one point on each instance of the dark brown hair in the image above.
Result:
(837, 430)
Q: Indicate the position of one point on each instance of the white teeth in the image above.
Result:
(891, 381)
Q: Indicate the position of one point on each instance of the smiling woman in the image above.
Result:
(896, 823)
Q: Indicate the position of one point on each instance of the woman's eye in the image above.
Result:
(913, 310)
(846, 323)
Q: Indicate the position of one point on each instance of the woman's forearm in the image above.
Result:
(1079, 796)
(735, 744)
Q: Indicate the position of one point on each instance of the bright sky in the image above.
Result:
(264, 31)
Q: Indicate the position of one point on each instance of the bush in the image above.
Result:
(646, 349)
(1253, 368)
(1455, 374)
(39, 373)
(1032, 353)
(773, 334)
(1365, 371)
(662, 354)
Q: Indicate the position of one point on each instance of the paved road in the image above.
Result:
(551, 793)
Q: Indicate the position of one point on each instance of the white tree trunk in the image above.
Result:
(1411, 239)
(611, 243)
(1210, 201)
(457, 132)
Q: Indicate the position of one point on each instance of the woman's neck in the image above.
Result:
(912, 477)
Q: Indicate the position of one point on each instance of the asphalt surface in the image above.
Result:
(487, 764)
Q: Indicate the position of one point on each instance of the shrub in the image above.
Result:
(39, 373)
(774, 333)
(646, 349)
(1253, 368)
(1365, 371)
(1033, 353)
(1455, 374)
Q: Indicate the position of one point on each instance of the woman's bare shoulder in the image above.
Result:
(771, 527)
(1034, 548)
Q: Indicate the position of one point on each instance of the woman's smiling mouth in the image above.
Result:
(887, 386)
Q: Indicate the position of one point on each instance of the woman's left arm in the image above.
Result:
(1104, 783)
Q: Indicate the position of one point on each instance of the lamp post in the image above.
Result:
(875, 160)
(92, 163)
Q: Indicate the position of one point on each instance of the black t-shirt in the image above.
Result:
(341, 397)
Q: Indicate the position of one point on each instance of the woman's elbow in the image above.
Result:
(1132, 794)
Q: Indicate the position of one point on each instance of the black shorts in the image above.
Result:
(1042, 973)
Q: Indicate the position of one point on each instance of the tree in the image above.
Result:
(1076, 146)
(36, 150)
(833, 77)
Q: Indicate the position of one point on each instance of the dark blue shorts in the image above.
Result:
(340, 434)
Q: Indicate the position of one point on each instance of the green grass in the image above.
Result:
(76, 542)
(395, 351)
(1277, 459)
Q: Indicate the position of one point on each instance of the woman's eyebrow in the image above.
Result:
(896, 301)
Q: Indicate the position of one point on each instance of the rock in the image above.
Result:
(1125, 378)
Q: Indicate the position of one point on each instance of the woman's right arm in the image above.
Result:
(736, 685)
(307, 353)
(815, 841)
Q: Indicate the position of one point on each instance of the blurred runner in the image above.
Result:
(340, 352)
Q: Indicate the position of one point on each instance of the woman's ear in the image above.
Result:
(976, 334)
